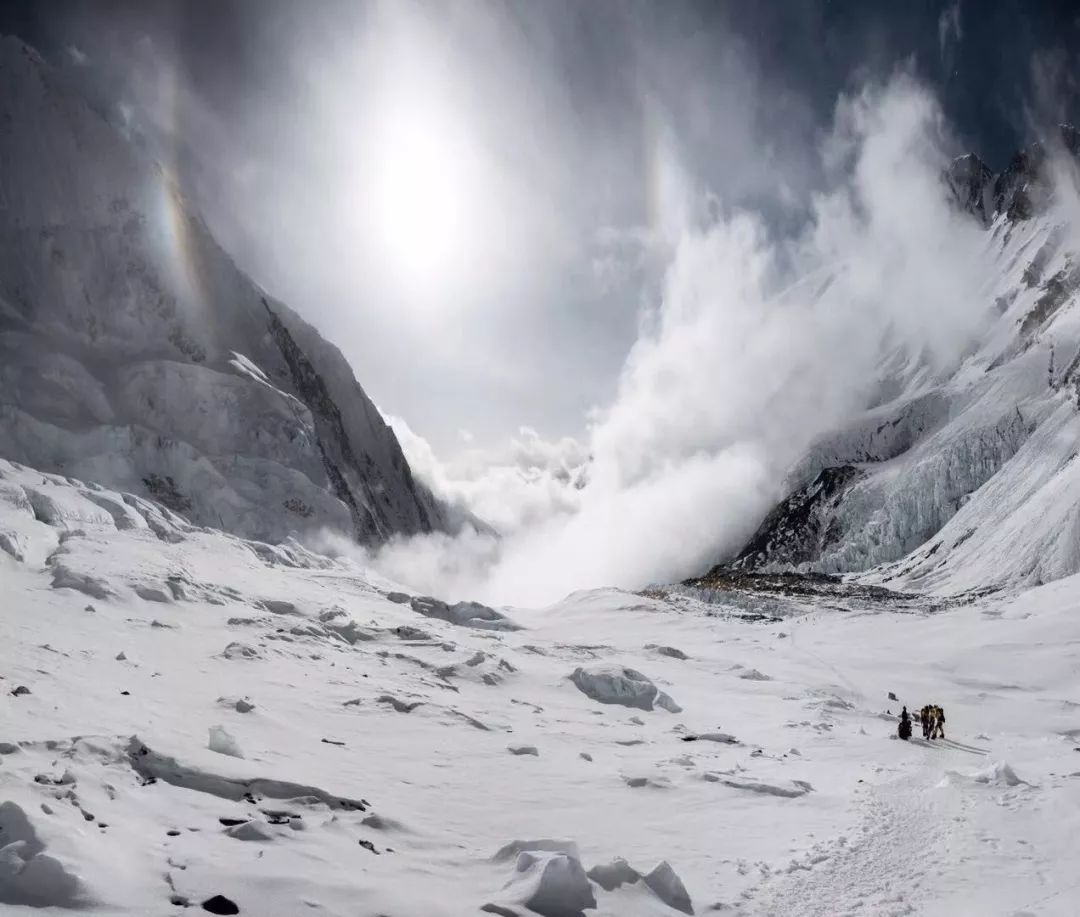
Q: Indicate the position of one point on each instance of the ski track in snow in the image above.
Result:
(206, 715)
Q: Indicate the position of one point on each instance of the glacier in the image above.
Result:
(961, 480)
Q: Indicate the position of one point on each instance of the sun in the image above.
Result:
(424, 199)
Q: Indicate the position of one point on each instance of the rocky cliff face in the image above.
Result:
(133, 351)
(969, 481)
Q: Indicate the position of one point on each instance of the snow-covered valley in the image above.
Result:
(391, 749)
(202, 713)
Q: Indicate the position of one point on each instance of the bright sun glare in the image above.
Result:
(423, 200)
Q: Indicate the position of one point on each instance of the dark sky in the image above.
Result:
(983, 73)
(566, 118)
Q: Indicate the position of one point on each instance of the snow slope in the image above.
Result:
(395, 762)
(965, 482)
(134, 352)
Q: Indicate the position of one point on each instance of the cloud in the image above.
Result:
(758, 344)
(950, 29)
(518, 484)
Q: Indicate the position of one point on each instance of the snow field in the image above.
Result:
(380, 775)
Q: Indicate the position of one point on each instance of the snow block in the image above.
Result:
(551, 884)
(544, 845)
(613, 684)
(223, 743)
(28, 876)
(609, 876)
(463, 614)
(668, 887)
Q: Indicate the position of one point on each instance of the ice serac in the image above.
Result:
(135, 353)
(962, 479)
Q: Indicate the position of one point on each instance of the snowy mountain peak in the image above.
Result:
(133, 351)
(937, 489)
(971, 181)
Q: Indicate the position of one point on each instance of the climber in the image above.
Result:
(904, 730)
(938, 729)
(924, 719)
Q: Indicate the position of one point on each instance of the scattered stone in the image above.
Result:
(523, 750)
(667, 651)
(399, 705)
(551, 884)
(277, 607)
(219, 904)
(754, 675)
(367, 845)
(610, 876)
(231, 822)
(398, 598)
(464, 614)
(250, 831)
(126, 693)
(668, 887)
(381, 823)
(20, 691)
(722, 738)
(8, 748)
(585, 756)
(243, 706)
(240, 651)
(892, 696)
(331, 742)
(172, 833)
(90, 608)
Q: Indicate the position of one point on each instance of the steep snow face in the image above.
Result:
(965, 482)
(192, 719)
(134, 352)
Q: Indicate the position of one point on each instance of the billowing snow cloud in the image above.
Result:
(758, 344)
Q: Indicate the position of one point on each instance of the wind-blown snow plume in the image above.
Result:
(758, 344)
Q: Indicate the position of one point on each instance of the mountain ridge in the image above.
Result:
(928, 492)
(137, 354)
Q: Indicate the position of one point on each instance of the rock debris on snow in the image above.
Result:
(550, 884)
(667, 651)
(523, 750)
(250, 831)
(219, 904)
(669, 888)
(464, 614)
(609, 876)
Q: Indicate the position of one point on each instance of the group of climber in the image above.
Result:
(932, 719)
